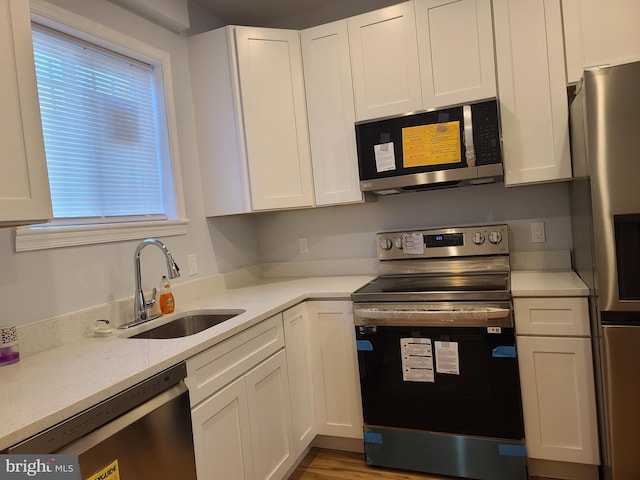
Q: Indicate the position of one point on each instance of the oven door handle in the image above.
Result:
(482, 317)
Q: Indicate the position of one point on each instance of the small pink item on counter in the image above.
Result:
(9, 345)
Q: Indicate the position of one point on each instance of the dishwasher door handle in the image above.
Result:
(464, 317)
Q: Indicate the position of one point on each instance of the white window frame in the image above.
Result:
(59, 233)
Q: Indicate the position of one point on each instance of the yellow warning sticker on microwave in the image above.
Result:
(110, 472)
(434, 144)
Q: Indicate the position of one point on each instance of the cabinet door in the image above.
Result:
(327, 77)
(275, 119)
(334, 361)
(296, 334)
(558, 399)
(532, 91)
(221, 435)
(598, 32)
(270, 416)
(455, 45)
(384, 60)
(24, 183)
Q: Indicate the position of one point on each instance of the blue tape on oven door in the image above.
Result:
(364, 346)
(504, 351)
(510, 450)
(372, 437)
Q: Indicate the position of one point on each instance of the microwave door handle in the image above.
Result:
(484, 316)
(469, 148)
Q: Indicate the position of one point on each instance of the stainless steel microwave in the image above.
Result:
(437, 149)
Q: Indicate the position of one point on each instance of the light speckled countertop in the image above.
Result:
(45, 388)
(539, 283)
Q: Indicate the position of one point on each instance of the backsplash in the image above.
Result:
(54, 332)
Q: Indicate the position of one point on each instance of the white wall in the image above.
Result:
(349, 231)
(42, 284)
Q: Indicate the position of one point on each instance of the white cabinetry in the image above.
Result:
(24, 183)
(334, 360)
(331, 112)
(253, 139)
(532, 90)
(557, 379)
(598, 32)
(241, 411)
(455, 46)
(384, 58)
(296, 335)
(421, 55)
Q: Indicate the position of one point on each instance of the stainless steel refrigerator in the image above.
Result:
(605, 198)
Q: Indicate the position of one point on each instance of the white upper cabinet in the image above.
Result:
(384, 57)
(455, 46)
(532, 91)
(331, 113)
(421, 55)
(253, 138)
(24, 183)
(598, 32)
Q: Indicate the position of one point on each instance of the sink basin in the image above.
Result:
(189, 324)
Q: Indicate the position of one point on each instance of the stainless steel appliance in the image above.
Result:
(143, 432)
(436, 351)
(605, 196)
(437, 149)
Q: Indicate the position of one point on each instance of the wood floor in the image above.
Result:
(335, 465)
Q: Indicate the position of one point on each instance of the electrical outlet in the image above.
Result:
(537, 232)
(193, 264)
(303, 245)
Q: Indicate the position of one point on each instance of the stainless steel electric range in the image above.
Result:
(437, 357)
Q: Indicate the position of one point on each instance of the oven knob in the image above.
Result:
(478, 238)
(495, 237)
(385, 244)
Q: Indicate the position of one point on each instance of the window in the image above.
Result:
(110, 154)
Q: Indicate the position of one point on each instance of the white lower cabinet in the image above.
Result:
(259, 398)
(334, 360)
(557, 380)
(296, 334)
(221, 434)
(558, 398)
(243, 429)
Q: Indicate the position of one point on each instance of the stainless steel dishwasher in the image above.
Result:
(143, 432)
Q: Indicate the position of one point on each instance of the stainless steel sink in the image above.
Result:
(189, 324)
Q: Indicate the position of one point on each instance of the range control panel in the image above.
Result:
(443, 242)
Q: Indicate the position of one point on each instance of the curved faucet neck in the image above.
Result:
(140, 304)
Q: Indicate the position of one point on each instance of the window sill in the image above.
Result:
(28, 239)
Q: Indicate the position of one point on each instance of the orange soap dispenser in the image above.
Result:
(167, 302)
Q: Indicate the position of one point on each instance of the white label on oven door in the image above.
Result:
(447, 358)
(385, 157)
(413, 243)
(417, 360)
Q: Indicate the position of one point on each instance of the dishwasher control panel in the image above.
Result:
(51, 440)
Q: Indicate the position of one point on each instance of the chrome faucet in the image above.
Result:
(140, 305)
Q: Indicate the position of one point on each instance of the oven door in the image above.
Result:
(448, 368)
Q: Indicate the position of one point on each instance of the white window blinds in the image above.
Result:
(100, 128)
